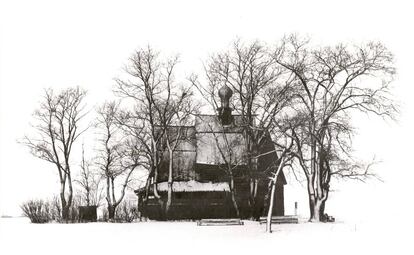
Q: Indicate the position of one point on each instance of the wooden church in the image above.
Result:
(201, 181)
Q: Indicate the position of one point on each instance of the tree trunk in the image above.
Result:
(65, 209)
(253, 183)
(111, 212)
(317, 209)
(253, 197)
(272, 196)
(65, 213)
(270, 211)
(88, 197)
(170, 181)
(70, 191)
(322, 211)
(155, 186)
(233, 196)
(155, 168)
(147, 188)
(169, 198)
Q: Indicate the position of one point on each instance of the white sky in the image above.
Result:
(86, 43)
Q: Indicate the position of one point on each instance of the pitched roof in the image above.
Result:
(191, 186)
(208, 143)
(216, 142)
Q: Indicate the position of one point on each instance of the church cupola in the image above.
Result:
(224, 112)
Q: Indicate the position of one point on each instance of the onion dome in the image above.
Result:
(225, 93)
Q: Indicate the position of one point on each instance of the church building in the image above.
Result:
(210, 155)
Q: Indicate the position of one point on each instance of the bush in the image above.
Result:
(126, 212)
(37, 211)
(56, 211)
(40, 211)
(104, 217)
(74, 209)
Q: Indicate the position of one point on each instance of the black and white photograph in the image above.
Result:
(206, 127)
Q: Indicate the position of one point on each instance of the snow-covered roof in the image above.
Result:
(203, 147)
(192, 186)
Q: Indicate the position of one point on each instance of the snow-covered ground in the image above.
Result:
(19, 236)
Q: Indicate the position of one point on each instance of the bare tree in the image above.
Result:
(89, 182)
(150, 86)
(284, 143)
(57, 127)
(262, 90)
(118, 157)
(331, 84)
(173, 119)
(230, 158)
(273, 181)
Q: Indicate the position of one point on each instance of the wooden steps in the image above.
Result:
(288, 219)
(219, 222)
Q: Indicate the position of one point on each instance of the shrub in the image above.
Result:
(56, 212)
(126, 212)
(40, 211)
(105, 214)
(37, 211)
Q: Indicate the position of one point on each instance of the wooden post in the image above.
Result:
(296, 208)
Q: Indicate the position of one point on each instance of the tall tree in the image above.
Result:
(149, 84)
(284, 158)
(117, 158)
(57, 127)
(173, 119)
(262, 91)
(89, 182)
(230, 158)
(333, 83)
(284, 145)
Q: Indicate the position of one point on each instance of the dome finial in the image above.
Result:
(225, 93)
(225, 111)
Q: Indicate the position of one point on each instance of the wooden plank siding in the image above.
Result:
(197, 159)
